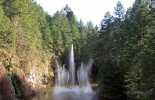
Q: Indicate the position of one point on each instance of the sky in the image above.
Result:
(87, 10)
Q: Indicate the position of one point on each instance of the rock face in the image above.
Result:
(6, 91)
(23, 87)
(20, 83)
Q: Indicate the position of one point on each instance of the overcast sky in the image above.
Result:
(87, 10)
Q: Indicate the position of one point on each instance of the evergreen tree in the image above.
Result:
(82, 40)
(104, 46)
(61, 33)
(7, 33)
(111, 80)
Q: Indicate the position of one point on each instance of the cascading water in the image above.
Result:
(66, 89)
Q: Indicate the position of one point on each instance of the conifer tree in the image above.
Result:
(7, 33)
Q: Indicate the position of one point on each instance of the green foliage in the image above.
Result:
(129, 40)
(16, 87)
(61, 33)
(112, 77)
(119, 10)
(7, 33)
(140, 18)
(8, 66)
(32, 32)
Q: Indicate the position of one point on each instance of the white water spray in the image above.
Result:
(66, 78)
(72, 67)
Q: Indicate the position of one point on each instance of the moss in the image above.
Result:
(16, 87)
(9, 68)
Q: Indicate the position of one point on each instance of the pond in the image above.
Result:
(48, 94)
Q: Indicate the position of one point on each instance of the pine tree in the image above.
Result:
(104, 44)
(7, 33)
(137, 50)
(61, 33)
(111, 80)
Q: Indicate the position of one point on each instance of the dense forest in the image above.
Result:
(122, 47)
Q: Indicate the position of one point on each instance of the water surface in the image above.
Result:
(78, 94)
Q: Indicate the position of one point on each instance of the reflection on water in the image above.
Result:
(76, 93)
(72, 96)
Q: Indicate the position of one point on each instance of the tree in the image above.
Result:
(138, 26)
(7, 33)
(103, 48)
(119, 10)
(61, 33)
(111, 80)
